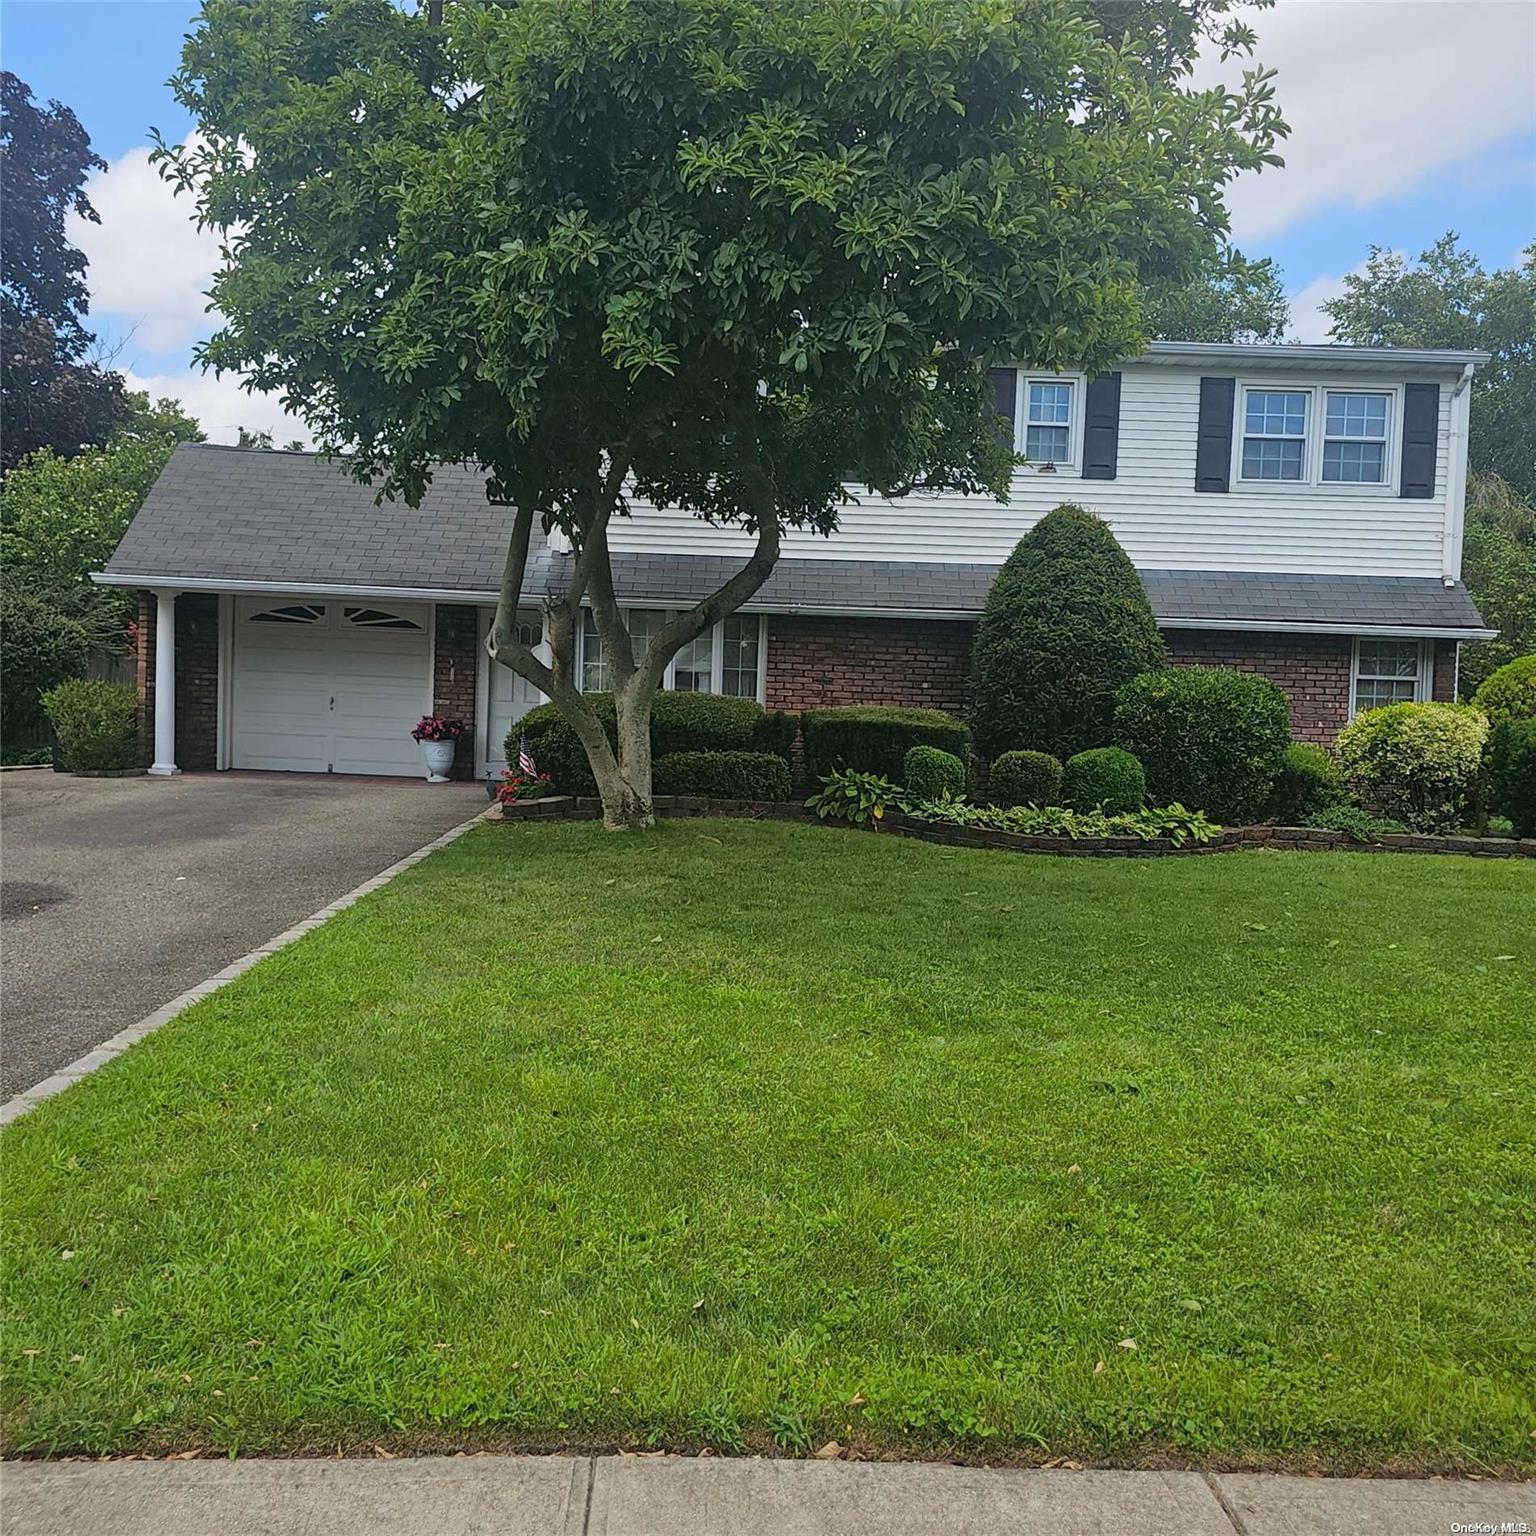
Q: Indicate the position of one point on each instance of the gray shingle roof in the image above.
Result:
(248, 516)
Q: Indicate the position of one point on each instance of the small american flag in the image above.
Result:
(525, 763)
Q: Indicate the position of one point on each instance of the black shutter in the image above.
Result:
(1005, 392)
(1213, 437)
(1101, 428)
(1421, 432)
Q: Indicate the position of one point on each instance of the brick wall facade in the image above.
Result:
(197, 679)
(455, 656)
(820, 662)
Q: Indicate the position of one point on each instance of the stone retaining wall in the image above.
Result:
(1291, 839)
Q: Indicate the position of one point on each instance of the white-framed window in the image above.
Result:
(1049, 410)
(729, 657)
(1347, 438)
(1357, 427)
(1275, 434)
(1389, 672)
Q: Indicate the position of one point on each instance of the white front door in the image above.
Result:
(329, 686)
(510, 696)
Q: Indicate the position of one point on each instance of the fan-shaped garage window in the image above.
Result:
(291, 613)
(377, 618)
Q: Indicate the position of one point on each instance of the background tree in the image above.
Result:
(1446, 299)
(1498, 564)
(711, 253)
(1230, 299)
(52, 394)
(60, 519)
(1066, 624)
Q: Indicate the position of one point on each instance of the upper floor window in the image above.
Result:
(1275, 434)
(1355, 428)
(1314, 435)
(1048, 422)
(1388, 672)
(726, 658)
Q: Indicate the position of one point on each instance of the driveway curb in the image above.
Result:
(83, 1066)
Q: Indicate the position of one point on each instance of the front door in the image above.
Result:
(511, 696)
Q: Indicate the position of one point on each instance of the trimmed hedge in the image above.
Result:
(1512, 773)
(39, 649)
(1211, 738)
(96, 723)
(776, 733)
(875, 738)
(1025, 778)
(1417, 763)
(1066, 623)
(1104, 778)
(680, 722)
(1309, 781)
(725, 775)
(1510, 692)
(930, 773)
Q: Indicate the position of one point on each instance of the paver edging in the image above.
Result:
(14, 1108)
(1229, 839)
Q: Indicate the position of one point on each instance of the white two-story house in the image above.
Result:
(1293, 510)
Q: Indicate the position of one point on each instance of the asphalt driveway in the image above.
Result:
(116, 895)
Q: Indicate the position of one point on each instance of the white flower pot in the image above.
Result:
(439, 756)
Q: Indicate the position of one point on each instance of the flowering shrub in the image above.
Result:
(1172, 822)
(437, 728)
(523, 786)
(1417, 763)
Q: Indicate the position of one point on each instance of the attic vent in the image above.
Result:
(294, 613)
(377, 618)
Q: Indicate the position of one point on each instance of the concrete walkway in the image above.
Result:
(695, 1496)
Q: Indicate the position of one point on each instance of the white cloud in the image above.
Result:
(1381, 94)
(1308, 321)
(150, 265)
(221, 406)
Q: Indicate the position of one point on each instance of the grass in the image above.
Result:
(759, 1135)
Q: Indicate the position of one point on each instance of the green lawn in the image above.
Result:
(749, 1134)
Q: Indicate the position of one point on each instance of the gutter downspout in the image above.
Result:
(1456, 491)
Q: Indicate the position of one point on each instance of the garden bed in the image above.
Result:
(1291, 839)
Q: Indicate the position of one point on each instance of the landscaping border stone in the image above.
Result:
(1289, 839)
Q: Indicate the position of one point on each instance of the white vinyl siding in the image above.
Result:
(1152, 506)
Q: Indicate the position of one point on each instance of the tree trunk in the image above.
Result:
(627, 802)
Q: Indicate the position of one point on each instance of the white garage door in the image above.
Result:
(329, 686)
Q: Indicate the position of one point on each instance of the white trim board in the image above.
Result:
(83, 1066)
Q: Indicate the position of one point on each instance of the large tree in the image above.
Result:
(60, 518)
(52, 394)
(1231, 298)
(1446, 299)
(716, 254)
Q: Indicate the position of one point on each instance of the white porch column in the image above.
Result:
(165, 682)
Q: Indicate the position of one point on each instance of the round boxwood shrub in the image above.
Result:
(96, 723)
(1309, 781)
(1512, 773)
(1510, 692)
(1066, 624)
(930, 773)
(875, 738)
(1211, 738)
(1417, 763)
(725, 775)
(1104, 778)
(1025, 778)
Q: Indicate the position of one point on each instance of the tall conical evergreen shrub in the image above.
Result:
(1067, 623)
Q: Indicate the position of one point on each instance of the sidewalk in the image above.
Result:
(690, 1496)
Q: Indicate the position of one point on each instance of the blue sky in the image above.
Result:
(1410, 117)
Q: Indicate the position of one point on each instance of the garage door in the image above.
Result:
(328, 686)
